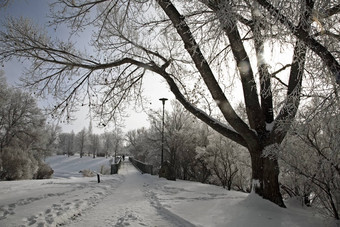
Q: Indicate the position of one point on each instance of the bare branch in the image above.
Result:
(201, 64)
(332, 64)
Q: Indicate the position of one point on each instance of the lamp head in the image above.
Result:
(163, 100)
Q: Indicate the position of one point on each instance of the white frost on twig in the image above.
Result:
(255, 184)
(270, 126)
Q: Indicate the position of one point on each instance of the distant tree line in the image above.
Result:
(87, 143)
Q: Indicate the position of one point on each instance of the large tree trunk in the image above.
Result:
(265, 177)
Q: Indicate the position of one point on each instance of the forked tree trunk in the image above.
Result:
(265, 177)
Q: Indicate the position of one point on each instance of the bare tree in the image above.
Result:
(66, 143)
(315, 138)
(81, 142)
(221, 158)
(50, 139)
(138, 144)
(21, 121)
(194, 46)
(4, 3)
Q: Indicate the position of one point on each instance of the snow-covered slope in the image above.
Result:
(134, 199)
(66, 167)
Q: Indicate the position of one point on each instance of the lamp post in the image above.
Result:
(163, 102)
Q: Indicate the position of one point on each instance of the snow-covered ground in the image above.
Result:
(134, 199)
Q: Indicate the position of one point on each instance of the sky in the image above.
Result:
(37, 10)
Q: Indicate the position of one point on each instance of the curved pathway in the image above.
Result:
(130, 204)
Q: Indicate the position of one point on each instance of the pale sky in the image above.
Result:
(37, 10)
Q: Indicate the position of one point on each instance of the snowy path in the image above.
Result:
(129, 204)
(49, 202)
(119, 200)
(133, 199)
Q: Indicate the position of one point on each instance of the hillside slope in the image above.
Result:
(66, 167)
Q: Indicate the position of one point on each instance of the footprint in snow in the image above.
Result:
(6, 211)
(32, 220)
(49, 219)
(48, 211)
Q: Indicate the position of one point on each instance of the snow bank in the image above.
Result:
(208, 205)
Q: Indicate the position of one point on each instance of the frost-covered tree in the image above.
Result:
(21, 121)
(180, 137)
(138, 145)
(200, 48)
(24, 140)
(222, 158)
(49, 142)
(106, 140)
(112, 143)
(93, 142)
(66, 143)
(311, 157)
(80, 142)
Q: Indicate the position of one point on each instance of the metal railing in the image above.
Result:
(143, 167)
(115, 167)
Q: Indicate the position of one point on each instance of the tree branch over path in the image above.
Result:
(326, 56)
(292, 102)
(213, 123)
(201, 64)
(229, 26)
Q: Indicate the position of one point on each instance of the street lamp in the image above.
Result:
(163, 102)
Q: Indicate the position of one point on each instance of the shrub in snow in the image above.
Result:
(17, 164)
(225, 161)
(105, 170)
(87, 173)
(44, 171)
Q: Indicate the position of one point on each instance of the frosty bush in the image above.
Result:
(44, 171)
(87, 173)
(105, 170)
(17, 164)
(227, 163)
